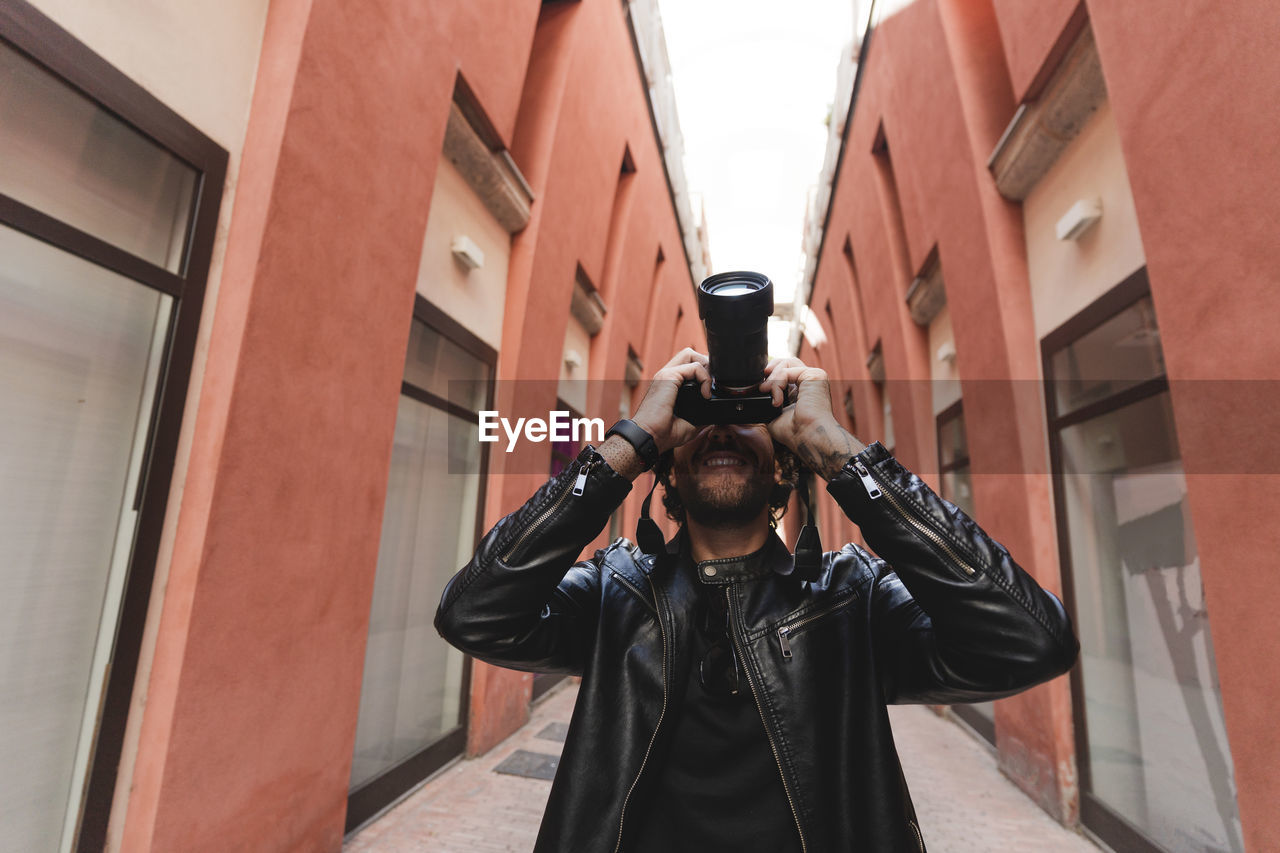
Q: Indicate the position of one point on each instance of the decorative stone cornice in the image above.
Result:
(491, 174)
(1043, 128)
(927, 294)
(587, 307)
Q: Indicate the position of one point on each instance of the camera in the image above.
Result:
(735, 308)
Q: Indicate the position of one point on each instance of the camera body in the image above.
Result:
(699, 411)
(735, 308)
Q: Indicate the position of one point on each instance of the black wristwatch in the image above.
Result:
(638, 438)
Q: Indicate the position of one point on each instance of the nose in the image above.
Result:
(723, 435)
(720, 432)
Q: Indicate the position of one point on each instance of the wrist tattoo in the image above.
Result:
(826, 451)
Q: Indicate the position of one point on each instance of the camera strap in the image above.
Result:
(808, 555)
(648, 535)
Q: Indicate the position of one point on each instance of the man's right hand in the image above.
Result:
(656, 414)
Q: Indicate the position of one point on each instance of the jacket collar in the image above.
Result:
(772, 558)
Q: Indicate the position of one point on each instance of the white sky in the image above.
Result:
(753, 82)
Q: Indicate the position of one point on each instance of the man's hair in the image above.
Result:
(787, 464)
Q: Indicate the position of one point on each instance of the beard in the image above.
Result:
(721, 502)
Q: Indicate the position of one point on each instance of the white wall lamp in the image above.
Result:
(947, 353)
(466, 252)
(572, 360)
(1082, 216)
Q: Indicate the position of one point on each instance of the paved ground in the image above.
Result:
(964, 803)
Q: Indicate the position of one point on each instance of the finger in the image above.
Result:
(799, 374)
(693, 370)
(784, 361)
(775, 383)
(688, 355)
(703, 378)
(770, 382)
(698, 372)
(785, 376)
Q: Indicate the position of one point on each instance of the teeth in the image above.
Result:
(721, 461)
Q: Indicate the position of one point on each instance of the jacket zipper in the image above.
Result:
(635, 589)
(737, 644)
(919, 838)
(652, 738)
(579, 485)
(874, 491)
(785, 631)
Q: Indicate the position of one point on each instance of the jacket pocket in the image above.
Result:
(804, 620)
(634, 590)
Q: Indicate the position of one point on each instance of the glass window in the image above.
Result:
(1158, 750)
(1152, 744)
(953, 445)
(70, 158)
(95, 357)
(887, 438)
(411, 694)
(412, 699)
(441, 367)
(1120, 353)
(953, 458)
(80, 353)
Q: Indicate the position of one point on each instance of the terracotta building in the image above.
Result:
(261, 266)
(1042, 268)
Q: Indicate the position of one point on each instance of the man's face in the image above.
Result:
(724, 475)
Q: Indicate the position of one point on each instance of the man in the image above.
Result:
(726, 703)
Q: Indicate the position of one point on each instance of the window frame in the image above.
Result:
(35, 36)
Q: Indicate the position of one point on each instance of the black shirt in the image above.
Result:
(714, 784)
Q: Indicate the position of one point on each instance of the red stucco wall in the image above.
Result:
(252, 701)
(1199, 137)
(582, 109)
(936, 131)
(1031, 34)
(1189, 92)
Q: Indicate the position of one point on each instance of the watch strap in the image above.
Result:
(637, 437)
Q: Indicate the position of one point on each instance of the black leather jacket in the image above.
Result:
(946, 616)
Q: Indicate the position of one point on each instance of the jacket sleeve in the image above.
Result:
(956, 619)
(522, 602)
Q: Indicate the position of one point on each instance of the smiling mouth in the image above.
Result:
(723, 460)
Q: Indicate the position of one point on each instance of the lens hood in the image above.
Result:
(735, 300)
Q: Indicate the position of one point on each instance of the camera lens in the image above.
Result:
(735, 309)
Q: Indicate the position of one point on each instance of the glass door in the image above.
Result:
(105, 240)
(1155, 766)
(413, 700)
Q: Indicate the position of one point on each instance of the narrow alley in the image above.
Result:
(337, 337)
(482, 805)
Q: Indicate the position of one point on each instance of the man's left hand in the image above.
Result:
(807, 425)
